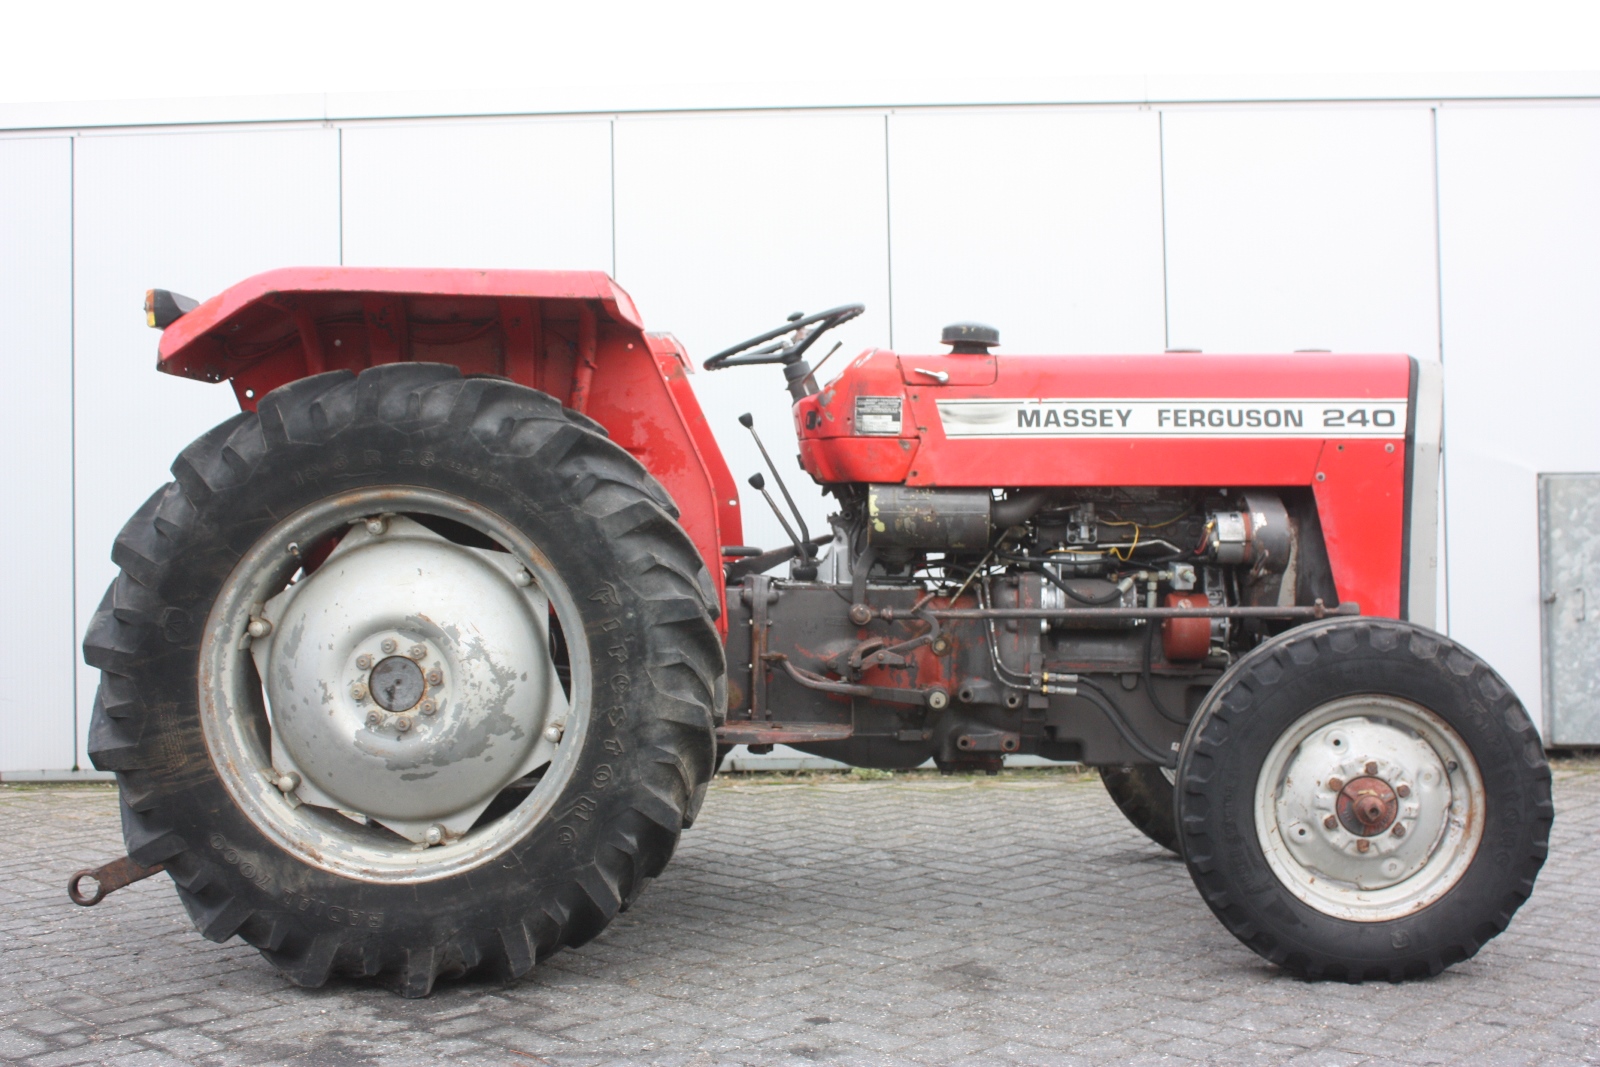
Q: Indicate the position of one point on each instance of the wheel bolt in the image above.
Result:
(288, 783)
(436, 677)
(523, 578)
(358, 691)
(1363, 845)
(418, 652)
(374, 718)
(388, 646)
(1402, 790)
(1331, 822)
(1399, 830)
(403, 724)
(552, 733)
(428, 707)
(259, 627)
(433, 834)
(377, 525)
(364, 662)
(1371, 768)
(1335, 784)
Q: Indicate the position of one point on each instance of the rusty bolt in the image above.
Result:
(860, 614)
(418, 652)
(374, 717)
(1331, 822)
(389, 646)
(1363, 844)
(1399, 829)
(403, 723)
(436, 677)
(1402, 790)
(428, 707)
(1371, 768)
(358, 691)
(364, 662)
(1335, 784)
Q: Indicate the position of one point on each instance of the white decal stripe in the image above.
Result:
(1123, 417)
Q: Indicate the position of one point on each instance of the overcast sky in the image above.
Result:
(832, 48)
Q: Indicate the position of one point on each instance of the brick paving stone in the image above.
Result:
(916, 921)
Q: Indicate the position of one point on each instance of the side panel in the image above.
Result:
(1520, 236)
(194, 213)
(478, 194)
(36, 627)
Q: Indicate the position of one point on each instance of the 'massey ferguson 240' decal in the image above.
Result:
(1122, 417)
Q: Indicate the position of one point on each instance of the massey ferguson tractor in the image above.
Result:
(423, 661)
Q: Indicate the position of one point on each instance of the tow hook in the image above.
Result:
(108, 878)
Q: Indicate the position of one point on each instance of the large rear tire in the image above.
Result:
(516, 813)
(1363, 799)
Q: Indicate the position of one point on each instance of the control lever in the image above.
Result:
(802, 549)
(748, 422)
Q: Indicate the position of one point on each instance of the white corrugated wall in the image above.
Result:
(1467, 229)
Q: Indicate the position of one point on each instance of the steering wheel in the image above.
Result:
(803, 333)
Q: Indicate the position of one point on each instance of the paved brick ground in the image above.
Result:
(1008, 921)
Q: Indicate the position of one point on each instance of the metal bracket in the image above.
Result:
(108, 878)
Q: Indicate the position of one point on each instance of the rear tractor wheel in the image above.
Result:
(406, 675)
(1143, 793)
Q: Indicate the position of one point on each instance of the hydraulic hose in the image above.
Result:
(1099, 697)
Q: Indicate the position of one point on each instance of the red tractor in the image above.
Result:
(422, 661)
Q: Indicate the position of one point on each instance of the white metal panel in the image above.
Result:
(725, 225)
(1044, 224)
(193, 213)
(36, 627)
(1520, 236)
(530, 195)
(1301, 228)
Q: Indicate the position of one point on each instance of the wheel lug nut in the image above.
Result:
(1335, 784)
(1399, 830)
(436, 677)
(1363, 845)
(358, 691)
(418, 652)
(1402, 790)
(428, 707)
(1371, 768)
(364, 662)
(374, 718)
(1331, 822)
(403, 724)
(388, 646)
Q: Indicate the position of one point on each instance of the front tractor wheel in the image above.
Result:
(1363, 799)
(406, 675)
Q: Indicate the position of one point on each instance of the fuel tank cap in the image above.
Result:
(969, 338)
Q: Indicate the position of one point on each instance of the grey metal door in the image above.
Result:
(1569, 574)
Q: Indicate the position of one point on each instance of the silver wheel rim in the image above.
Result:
(434, 687)
(1369, 808)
